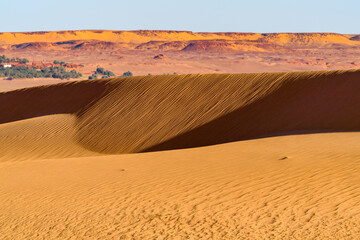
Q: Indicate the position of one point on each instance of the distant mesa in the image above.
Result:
(174, 41)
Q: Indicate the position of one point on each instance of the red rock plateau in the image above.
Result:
(187, 52)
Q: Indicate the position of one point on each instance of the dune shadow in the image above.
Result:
(307, 106)
(303, 102)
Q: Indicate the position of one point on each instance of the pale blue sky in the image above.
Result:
(340, 16)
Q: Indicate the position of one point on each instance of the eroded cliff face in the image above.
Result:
(174, 40)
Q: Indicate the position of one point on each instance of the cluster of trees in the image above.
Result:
(127, 74)
(33, 72)
(104, 74)
(4, 59)
(94, 76)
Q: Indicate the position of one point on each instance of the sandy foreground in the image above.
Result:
(289, 187)
(66, 171)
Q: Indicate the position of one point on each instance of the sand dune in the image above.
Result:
(153, 113)
(59, 181)
(160, 113)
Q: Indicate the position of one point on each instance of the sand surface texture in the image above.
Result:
(214, 156)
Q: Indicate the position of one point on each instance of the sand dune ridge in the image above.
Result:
(152, 113)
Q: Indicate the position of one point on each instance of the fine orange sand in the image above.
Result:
(64, 174)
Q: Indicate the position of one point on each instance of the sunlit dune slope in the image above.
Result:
(151, 113)
(51, 136)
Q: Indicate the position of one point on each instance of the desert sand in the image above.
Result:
(193, 156)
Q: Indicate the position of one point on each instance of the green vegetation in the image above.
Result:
(100, 71)
(103, 72)
(94, 76)
(33, 72)
(127, 74)
(107, 74)
(4, 59)
(58, 62)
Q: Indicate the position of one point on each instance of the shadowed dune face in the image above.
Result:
(156, 113)
(146, 111)
(159, 113)
(306, 103)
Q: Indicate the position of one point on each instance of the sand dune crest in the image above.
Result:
(151, 113)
